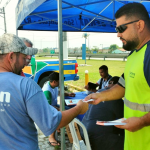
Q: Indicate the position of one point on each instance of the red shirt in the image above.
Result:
(22, 74)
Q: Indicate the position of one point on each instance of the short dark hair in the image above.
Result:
(54, 76)
(135, 10)
(114, 79)
(104, 67)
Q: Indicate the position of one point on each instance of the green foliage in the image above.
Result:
(100, 52)
(113, 47)
(46, 50)
(87, 48)
(95, 48)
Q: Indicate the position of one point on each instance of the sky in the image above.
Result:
(42, 39)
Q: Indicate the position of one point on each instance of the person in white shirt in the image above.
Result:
(103, 81)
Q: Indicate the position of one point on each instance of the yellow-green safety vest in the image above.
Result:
(137, 100)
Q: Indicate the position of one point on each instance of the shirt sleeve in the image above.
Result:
(99, 81)
(44, 115)
(48, 96)
(147, 64)
(121, 81)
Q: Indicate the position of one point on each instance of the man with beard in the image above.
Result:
(22, 101)
(133, 27)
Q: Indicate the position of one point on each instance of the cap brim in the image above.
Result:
(30, 51)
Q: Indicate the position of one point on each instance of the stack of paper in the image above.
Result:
(110, 123)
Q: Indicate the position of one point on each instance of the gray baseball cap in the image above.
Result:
(12, 43)
(31, 50)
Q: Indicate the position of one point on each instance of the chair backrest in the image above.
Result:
(79, 144)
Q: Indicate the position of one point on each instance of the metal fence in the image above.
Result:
(77, 55)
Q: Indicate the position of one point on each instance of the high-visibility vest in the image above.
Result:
(137, 99)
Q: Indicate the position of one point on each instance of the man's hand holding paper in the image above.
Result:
(132, 124)
(96, 98)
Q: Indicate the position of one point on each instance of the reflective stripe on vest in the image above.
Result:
(136, 106)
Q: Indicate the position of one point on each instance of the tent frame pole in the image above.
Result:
(85, 10)
(61, 72)
(4, 20)
(55, 20)
(96, 16)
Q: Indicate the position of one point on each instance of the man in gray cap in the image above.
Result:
(22, 101)
(34, 51)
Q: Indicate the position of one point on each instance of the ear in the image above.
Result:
(11, 57)
(140, 25)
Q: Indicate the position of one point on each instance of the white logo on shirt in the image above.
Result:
(5, 97)
(4, 100)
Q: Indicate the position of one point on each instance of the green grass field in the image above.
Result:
(116, 68)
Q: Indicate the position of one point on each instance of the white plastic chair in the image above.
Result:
(79, 145)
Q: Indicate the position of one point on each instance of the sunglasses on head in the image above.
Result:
(123, 27)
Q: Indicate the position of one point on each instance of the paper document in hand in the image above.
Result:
(90, 100)
(71, 101)
(75, 101)
(111, 123)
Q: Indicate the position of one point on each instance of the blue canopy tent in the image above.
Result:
(69, 15)
(77, 15)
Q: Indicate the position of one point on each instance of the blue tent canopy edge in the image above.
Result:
(77, 15)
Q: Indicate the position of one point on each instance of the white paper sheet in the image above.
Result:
(111, 123)
(75, 101)
(71, 101)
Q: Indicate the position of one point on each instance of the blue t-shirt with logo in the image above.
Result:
(22, 103)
